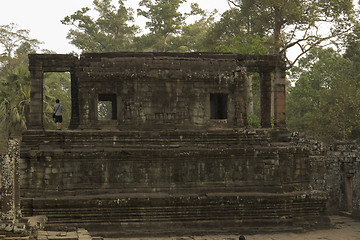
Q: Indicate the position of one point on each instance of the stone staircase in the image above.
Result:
(109, 139)
(142, 183)
(165, 214)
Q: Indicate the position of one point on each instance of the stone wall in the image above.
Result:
(216, 180)
(190, 161)
(335, 169)
(160, 91)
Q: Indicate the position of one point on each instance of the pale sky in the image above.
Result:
(42, 18)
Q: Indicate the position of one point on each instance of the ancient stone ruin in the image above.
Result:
(174, 155)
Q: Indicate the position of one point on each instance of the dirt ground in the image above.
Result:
(345, 228)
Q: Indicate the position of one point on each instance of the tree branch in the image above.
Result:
(307, 47)
(235, 4)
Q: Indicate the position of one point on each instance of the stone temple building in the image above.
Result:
(174, 155)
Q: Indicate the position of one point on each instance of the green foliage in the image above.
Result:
(289, 23)
(11, 38)
(164, 16)
(225, 30)
(168, 30)
(15, 86)
(231, 34)
(352, 52)
(112, 31)
(56, 86)
(244, 44)
(253, 120)
(109, 32)
(193, 36)
(15, 100)
(14, 79)
(325, 99)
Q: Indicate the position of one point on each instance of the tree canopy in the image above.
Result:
(304, 24)
(11, 38)
(324, 101)
(111, 31)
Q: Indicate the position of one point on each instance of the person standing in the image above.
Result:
(58, 108)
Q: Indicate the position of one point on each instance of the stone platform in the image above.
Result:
(146, 183)
(161, 214)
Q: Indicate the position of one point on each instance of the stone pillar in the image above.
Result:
(239, 90)
(93, 107)
(36, 96)
(265, 101)
(279, 97)
(10, 196)
(75, 120)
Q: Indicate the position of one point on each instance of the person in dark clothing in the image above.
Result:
(58, 109)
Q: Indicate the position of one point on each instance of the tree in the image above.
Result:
(225, 30)
(298, 23)
(109, 32)
(352, 51)
(11, 39)
(164, 20)
(14, 79)
(15, 100)
(325, 100)
(244, 43)
(168, 28)
(15, 86)
(192, 36)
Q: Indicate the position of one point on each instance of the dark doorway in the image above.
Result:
(349, 193)
(218, 105)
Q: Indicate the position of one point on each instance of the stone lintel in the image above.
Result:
(52, 62)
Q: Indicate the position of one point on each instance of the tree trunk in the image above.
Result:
(279, 22)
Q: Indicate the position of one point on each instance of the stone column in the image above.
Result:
(75, 120)
(239, 90)
(279, 97)
(92, 107)
(265, 101)
(10, 196)
(36, 95)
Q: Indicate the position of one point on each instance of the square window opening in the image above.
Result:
(218, 105)
(107, 109)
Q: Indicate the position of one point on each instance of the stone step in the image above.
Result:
(90, 138)
(16, 238)
(158, 229)
(78, 234)
(81, 217)
(171, 213)
(133, 143)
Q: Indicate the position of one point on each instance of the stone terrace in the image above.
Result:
(135, 182)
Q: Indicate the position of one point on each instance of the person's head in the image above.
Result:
(57, 100)
(242, 237)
